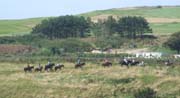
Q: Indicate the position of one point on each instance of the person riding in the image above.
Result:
(125, 60)
(78, 61)
(133, 61)
(39, 66)
(106, 60)
(49, 62)
(58, 64)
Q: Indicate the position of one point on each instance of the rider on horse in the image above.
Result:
(78, 60)
(106, 60)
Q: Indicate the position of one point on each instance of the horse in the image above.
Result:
(58, 67)
(38, 69)
(49, 66)
(168, 63)
(122, 62)
(80, 65)
(134, 63)
(107, 64)
(28, 68)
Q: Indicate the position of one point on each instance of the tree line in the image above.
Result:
(75, 26)
(62, 27)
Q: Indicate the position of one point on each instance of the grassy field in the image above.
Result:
(18, 27)
(165, 12)
(165, 28)
(24, 26)
(93, 81)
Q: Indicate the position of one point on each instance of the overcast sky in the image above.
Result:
(17, 9)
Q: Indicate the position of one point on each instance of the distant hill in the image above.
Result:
(164, 20)
(18, 27)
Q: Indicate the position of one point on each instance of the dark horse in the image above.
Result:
(122, 62)
(58, 67)
(38, 69)
(107, 64)
(135, 63)
(80, 65)
(28, 68)
(49, 67)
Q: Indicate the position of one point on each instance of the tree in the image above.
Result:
(174, 42)
(131, 26)
(110, 26)
(104, 27)
(63, 27)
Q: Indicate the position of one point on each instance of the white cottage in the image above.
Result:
(149, 55)
(176, 56)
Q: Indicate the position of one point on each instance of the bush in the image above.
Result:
(146, 93)
(109, 42)
(75, 45)
(7, 40)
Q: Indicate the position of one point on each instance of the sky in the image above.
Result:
(19, 9)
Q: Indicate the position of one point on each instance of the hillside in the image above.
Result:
(18, 27)
(163, 20)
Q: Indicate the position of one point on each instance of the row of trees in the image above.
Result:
(74, 26)
(62, 27)
(130, 26)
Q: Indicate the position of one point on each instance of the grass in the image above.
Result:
(165, 12)
(92, 81)
(165, 28)
(18, 27)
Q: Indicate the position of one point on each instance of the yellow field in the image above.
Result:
(93, 81)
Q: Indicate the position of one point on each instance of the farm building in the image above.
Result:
(148, 55)
(176, 56)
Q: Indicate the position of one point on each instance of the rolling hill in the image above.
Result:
(163, 20)
(17, 27)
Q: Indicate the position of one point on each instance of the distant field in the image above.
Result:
(166, 12)
(93, 81)
(162, 19)
(17, 27)
(165, 28)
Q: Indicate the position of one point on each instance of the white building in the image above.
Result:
(149, 55)
(176, 56)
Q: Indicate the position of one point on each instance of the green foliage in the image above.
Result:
(110, 26)
(110, 42)
(132, 26)
(7, 40)
(146, 93)
(62, 27)
(75, 45)
(174, 42)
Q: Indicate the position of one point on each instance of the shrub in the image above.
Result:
(146, 93)
(109, 42)
(75, 45)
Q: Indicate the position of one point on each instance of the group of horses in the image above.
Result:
(55, 67)
(48, 67)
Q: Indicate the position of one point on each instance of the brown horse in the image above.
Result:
(49, 67)
(107, 64)
(38, 69)
(58, 67)
(80, 65)
(28, 68)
